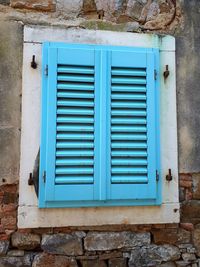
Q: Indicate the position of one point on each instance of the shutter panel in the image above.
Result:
(133, 126)
(70, 125)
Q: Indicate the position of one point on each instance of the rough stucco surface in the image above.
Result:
(188, 86)
(10, 89)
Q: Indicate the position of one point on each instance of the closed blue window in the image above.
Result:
(100, 126)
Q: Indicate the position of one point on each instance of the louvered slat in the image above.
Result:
(128, 126)
(75, 125)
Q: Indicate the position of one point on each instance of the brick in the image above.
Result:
(9, 198)
(41, 231)
(38, 5)
(172, 225)
(185, 183)
(4, 237)
(165, 236)
(9, 188)
(185, 176)
(8, 207)
(9, 222)
(187, 226)
(188, 194)
(25, 231)
(158, 226)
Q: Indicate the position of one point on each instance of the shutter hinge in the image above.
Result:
(155, 74)
(44, 176)
(46, 70)
(157, 175)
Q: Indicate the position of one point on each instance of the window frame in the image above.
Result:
(29, 215)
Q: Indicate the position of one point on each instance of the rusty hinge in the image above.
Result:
(44, 176)
(46, 70)
(166, 72)
(169, 175)
(155, 74)
(30, 180)
(157, 175)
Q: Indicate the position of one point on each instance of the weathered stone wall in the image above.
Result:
(145, 245)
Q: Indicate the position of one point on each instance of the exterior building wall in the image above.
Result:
(117, 245)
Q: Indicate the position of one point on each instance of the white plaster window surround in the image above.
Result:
(29, 215)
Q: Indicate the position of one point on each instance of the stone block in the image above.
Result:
(111, 255)
(89, 6)
(190, 211)
(153, 255)
(4, 2)
(184, 236)
(187, 248)
(69, 9)
(15, 261)
(196, 240)
(4, 244)
(167, 264)
(132, 26)
(117, 262)
(102, 241)
(134, 9)
(188, 257)
(182, 264)
(93, 263)
(25, 241)
(196, 185)
(39, 5)
(44, 260)
(62, 244)
(16, 253)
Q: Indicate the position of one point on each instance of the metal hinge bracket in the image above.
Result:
(44, 176)
(157, 175)
(46, 70)
(155, 74)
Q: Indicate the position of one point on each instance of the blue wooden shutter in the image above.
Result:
(134, 163)
(100, 130)
(67, 147)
